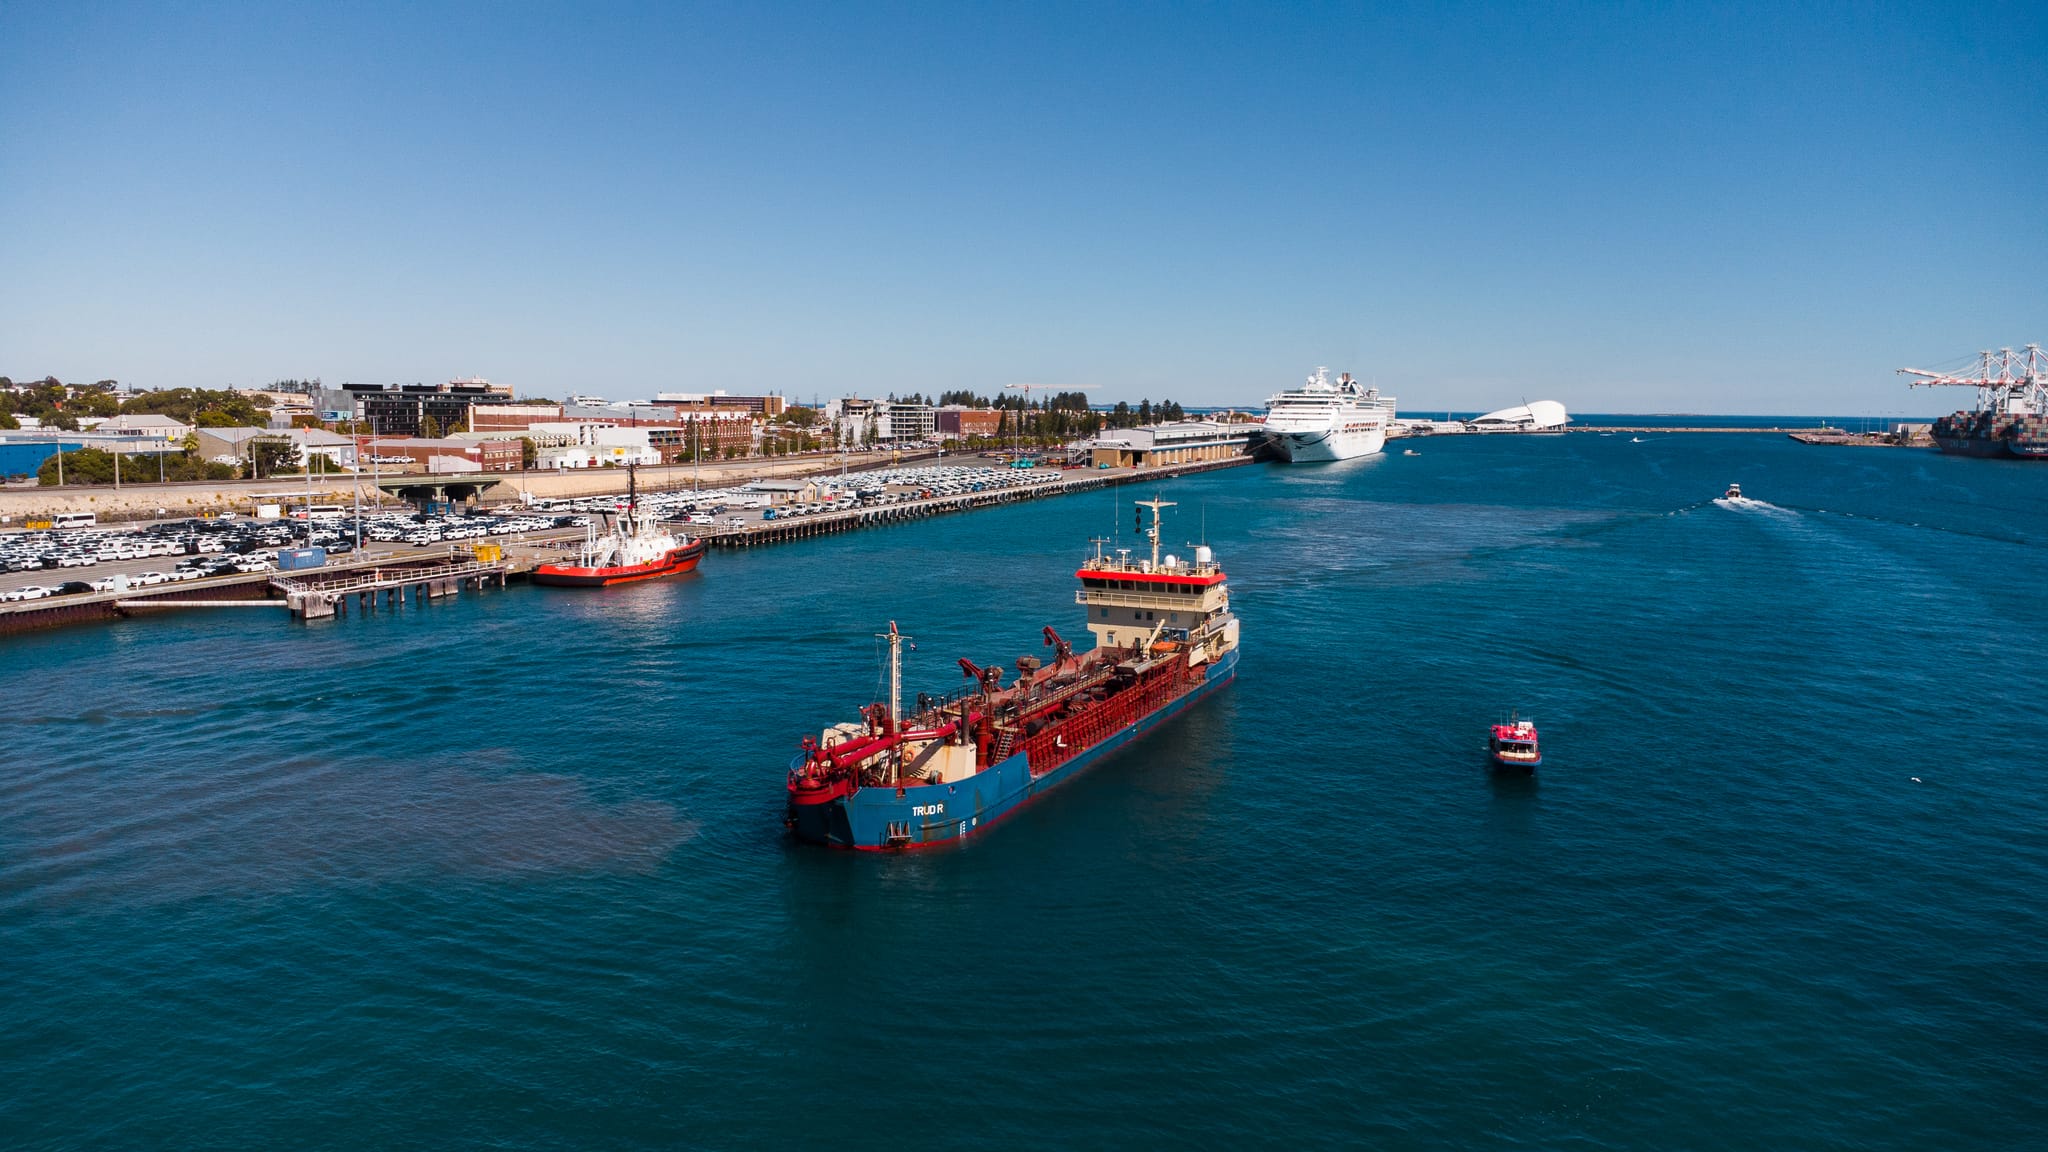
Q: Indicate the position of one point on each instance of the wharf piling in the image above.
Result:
(318, 595)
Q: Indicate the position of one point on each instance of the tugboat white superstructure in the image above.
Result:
(1327, 420)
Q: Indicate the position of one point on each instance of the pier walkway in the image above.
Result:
(322, 592)
(825, 523)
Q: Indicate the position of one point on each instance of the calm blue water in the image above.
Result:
(508, 871)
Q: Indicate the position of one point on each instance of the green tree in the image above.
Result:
(430, 428)
(529, 452)
(202, 407)
(270, 456)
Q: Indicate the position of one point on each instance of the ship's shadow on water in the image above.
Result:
(259, 829)
(1515, 800)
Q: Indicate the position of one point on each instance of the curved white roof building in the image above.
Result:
(1542, 416)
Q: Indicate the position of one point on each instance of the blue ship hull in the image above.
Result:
(945, 813)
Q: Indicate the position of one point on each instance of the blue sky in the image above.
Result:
(1702, 208)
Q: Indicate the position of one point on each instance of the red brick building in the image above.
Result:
(954, 420)
(709, 433)
(479, 455)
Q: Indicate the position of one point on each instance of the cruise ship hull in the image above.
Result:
(1324, 446)
(933, 814)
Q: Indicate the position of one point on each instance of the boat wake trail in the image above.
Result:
(1751, 504)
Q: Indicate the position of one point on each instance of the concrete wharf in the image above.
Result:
(219, 591)
(390, 580)
(1605, 429)
(826, 523)
(385, 579)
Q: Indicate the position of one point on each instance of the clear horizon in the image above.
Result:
(1728, 211)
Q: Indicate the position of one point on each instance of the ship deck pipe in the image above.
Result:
(844, 754)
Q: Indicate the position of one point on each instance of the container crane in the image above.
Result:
(2008, 383)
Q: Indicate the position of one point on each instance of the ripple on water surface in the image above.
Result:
(509, 870)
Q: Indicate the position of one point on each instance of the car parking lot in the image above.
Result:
(737, 508)
(71, 561)
(75, 561)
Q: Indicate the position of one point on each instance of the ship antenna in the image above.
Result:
(1155, 504)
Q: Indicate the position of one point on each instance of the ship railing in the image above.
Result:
(935, 710)
(1056, 744)
(1192, 603)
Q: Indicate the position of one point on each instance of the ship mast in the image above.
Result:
(896, 640)
(1152, 533)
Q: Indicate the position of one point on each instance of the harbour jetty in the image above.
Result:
(777, 532)
(395, 578)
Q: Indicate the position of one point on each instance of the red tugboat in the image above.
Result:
(1513, 747)
(635, 548)
(955, 764)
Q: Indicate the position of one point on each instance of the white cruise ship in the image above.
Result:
(1326, 420)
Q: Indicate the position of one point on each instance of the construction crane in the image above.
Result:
(2007, 382)
(1017, 435)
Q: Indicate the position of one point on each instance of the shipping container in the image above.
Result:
(300, 559)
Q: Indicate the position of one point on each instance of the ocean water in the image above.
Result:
(508, 871)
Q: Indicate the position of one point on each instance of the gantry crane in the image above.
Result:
(2008, 383)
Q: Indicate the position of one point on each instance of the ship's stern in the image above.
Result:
(815, 811)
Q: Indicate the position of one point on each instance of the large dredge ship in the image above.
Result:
(1164, 638)
(2011, 417)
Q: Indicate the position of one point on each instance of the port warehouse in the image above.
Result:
(1166, 445)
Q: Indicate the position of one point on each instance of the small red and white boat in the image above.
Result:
(635, 548)
(1513, 746)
